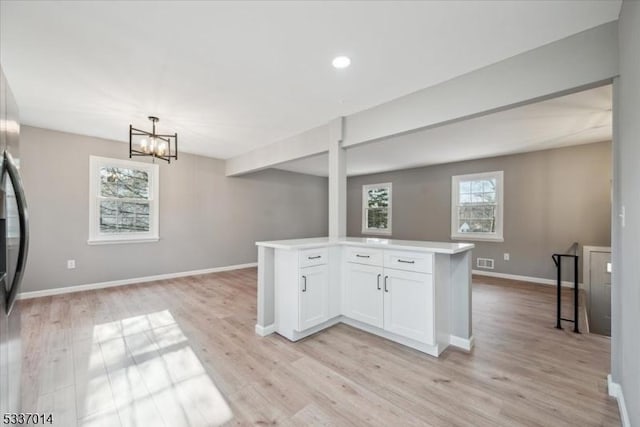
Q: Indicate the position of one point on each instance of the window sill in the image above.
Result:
(121, 241)
(377, 232)
(478, 238)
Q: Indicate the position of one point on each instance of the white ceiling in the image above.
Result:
(579, 118)
(232, 76)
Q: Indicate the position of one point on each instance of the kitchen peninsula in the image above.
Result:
(412, 292)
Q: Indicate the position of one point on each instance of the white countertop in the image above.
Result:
(412, 245)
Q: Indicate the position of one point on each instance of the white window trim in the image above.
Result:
(377, 231)
(498, 236)
(96, 237)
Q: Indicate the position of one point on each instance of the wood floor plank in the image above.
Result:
(183, 352)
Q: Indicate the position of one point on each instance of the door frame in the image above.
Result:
(586, 274)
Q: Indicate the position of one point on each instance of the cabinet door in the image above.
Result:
(314, 296)
(408, 305)
(363, 293)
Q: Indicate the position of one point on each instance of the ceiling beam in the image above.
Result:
(309, 143)
(577, 62)
(584, 60)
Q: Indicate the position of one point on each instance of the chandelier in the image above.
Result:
(152, 144)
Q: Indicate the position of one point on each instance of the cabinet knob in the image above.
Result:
(385, 284)
(304, 279)
(379, 276)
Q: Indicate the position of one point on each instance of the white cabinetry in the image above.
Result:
(304, 291)
(397, 294)
(313, 296)
(408, 305)
(417, 297)
(363, 294)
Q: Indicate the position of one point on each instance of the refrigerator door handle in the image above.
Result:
(21, 201)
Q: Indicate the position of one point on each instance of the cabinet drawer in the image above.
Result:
(410, 261)
(310, 257)
(363, 255)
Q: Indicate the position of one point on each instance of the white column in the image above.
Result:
(337, 182)
(266, 291)
(460, 299)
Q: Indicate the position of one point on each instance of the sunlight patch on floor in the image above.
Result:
(141, 371)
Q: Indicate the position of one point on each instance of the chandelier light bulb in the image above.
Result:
(162, 148)
(144, 145)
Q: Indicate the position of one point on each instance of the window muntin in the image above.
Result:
(476, 211)
(123, 201)
(376, 209)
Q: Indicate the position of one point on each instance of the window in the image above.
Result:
(476, 206)
(123, 201)
(376, 209)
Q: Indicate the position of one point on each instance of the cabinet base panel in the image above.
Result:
(463, 343)
(263, 331)
(433, 350)
(293, 335)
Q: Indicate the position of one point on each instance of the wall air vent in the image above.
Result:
(486, 263)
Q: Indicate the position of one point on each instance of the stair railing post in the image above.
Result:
(575, 295)
(559, 266)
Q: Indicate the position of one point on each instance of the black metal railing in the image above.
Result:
(557, 259)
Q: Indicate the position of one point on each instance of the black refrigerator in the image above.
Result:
(14, 241)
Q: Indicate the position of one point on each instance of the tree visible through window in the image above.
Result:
(477, 206)
(376, 209)
(123, 201)
(124, 204)
(476, 209)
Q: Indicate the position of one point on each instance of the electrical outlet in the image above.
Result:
(506, 257)
(71, 264)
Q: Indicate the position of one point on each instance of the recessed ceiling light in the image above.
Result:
(341, 61)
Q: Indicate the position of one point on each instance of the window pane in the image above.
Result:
(477, 218)
(465, 187)
(477, 204)
(489, 197)
(124, 217)
(124, 183)
(378, 198)
(477, 198)
(489, 185)
(465, 198)
(377, 218)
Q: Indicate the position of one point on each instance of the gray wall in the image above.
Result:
(626, 262)
(552, 198)
(206, 219)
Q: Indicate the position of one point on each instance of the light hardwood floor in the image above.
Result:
(183, 352)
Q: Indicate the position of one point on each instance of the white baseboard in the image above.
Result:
(539, 280)
(463, 343)
(263, 331)
(110, 284)
(615, 390)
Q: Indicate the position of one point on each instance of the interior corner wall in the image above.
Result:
(626, 263)
(552, 198)
(207, 220)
